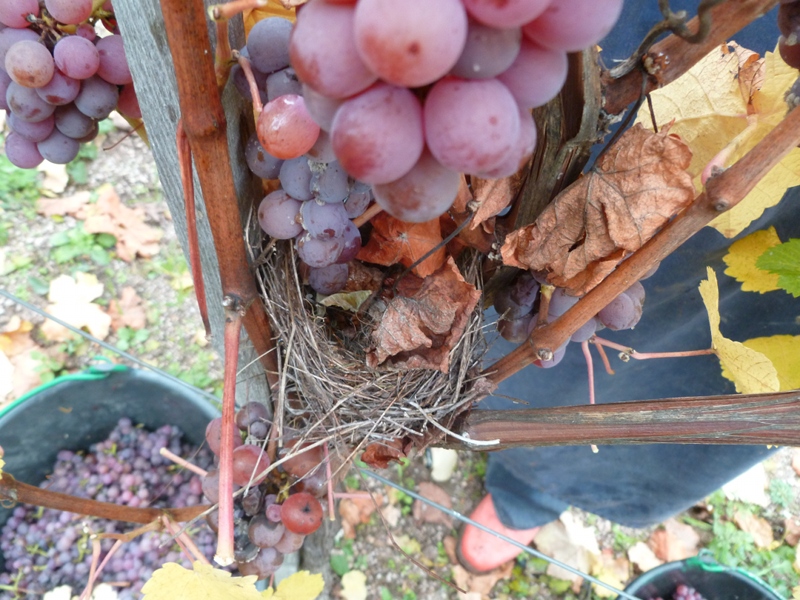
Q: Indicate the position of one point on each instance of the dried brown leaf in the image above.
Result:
(354, 512)
(71, 205)
(791, 526)
(395, 242)
(641, 555)
(492, 196)
(379, 455)
(425, 513)
(758, 527)
(637, 186)
(422, 324)
(675, 542)
(479, 586)
(128, 311)
(570, 542)
(450, 545)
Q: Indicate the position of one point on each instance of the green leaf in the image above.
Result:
(340, 564)
(106, 240)
(784, 261)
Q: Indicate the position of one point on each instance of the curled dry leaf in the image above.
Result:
(356, 511)
(70, 205)
(379, 455)
(758, 527)
(675, 541)
(637, 186)
(394, 242)
(479, 586)
(128, 311)
(492, 196)
(423, 323)
(425, 513)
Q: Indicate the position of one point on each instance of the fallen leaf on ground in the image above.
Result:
(675, 541)
(71, 205)
(479, 586)
(71, 301)
(749, 487)
(409, 545)
(19, 368)
(128, 311)
(637, 186)
(354, 586)
(741, 260)
(641, 555)
(570, 542)
(784, 353)
(380, 454)
(612, 570)
(425, 513)
(423, 323)
(202, 582)
(450, 544)
(356, 511)
(751, 371)
(758, 527)
(394, 242)
(301, 585)
(109, 215)
(791, 526)
(55, 177)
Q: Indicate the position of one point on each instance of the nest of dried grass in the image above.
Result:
(326, 389)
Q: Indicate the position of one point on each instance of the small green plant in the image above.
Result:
(66, 246)
(199, 372)
(78, 169)
(18, 187)
(128, 338)
(48, 368)
(781, 493)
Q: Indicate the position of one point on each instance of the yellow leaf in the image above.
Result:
(72, 302)
(354, 586)
(351, 301)
(299, 586)
(204, 582)
(784, 352)
(272, 9)
(741, 260)
(751, 371)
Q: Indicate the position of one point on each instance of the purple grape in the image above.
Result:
(515, 330)
(61, 90)
(318, 253)
(72, 122)
(585, 332)
(525, 289)
(321, 108)
(33, 132)
(283, 82)
(328, 280)
(322, 150)
(357, 202)
(76, 57)
(560, 303)
(621, 313)
(268, 44)
(241, 83)
(278, 215)
(21, 152)
(265, 533)
(507, 308)
(558, 356)
(329, 182)
(58, 148)
(113, 63)
(26, 104)
(97, 98)
(5, 81)
(324, 220)
(261, 162)
(295, 176)
(10, 36)
(352, 243)
(250, 413)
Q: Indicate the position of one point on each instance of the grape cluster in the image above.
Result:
(414, 93)
(58, 78)
(684, 592)
(789, 43)
(518, 307)
(45, 548)
(264, 528)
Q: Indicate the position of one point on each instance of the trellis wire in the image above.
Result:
(366, 472)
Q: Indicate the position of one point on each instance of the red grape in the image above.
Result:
(301, 513)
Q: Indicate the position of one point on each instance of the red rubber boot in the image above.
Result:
(479, 551)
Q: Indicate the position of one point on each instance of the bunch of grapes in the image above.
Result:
(58, 78)
(789, 43)
(276, 513)
(414, 93)
(46, 548)
(518, 307)
(684, 592)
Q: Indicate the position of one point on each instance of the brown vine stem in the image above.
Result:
(737, 419)
(205, 125)
(12, 490)
(723, 192)
(673, 56)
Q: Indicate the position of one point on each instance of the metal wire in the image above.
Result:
(522, 547)
(106, 345)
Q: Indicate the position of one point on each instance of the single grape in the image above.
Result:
(85, 30)
(14, 13)
(214, 436)
(790, 52)
(304, 461)
(789, 18)
(241, 83)
(322, 150)
(471, 126)
(515, 330)
(328, 280)
(268, 44)
(260, 162)
(128, 103)
(70, 12)
(259, 430)
(249, 461)
(250, 413)
(283, 82)
(10, 36)
(317, 252)
(60, 91)
(21, 152)
(33, 132)
(357, 202)
(509, 13)
(572, 25)
(536, 76)
(290, 542)
(329, 182)
(113, 63)
(301, 513)
(72, 122)
(251, 501)
(525, 289)
(508, 308)
(264, 564)
(321, 108)
(411, 43)
(621, 313)
(265, 533)
(211, 486)
(58, 148)
(352, 244)
(560, 303)
(488, 51)
(272, 511)
(295, 176)
(5, 81)
(285, 128)
(378, 135)
(97, 98)
(29, 63)
(558, 356)
(76, 57)
(422, 194)
(91, 135)
(323, 52)
(324, 221)
(585, 332)
(278, 215)
(637, 293)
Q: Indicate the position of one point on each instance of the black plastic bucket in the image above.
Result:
(76, 411)
(713, 581)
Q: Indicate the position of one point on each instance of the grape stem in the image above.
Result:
(187, 544)
(93, 570)
(723, 192)
(182, 462)
(94, 574)
(631, 353)
(372, 210)
(329, 477)
(222, 54)
(601, 351)
(247, 69)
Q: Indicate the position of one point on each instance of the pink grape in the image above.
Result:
(250, 413)
(290, 542)
(471, 126)
(33, 132)
(536, 76)
(318, 253)
(378, 135)
(560, 303)
(21, 152)
(261, 162)
(70, 12)
(267, 44)
(323, 51)
(85, 30)
(328, 280)
(352, 243)
(97, 98)
(76, 57)
(128, 104)
(113, 63)
(422, 194)
(265, 563)
(572, 25)
(249, 461)
(58, 148)
(487, 52)
(26, 104)
(61, 90)
(526, 144)
(621, 313)
(9, 37)
(263, 532)
(214, 436)
(321, 108)
(411, 43)
(285, 129)
(278, 215)
(5, 81)
(14, 12)
(508, 13)
(29, 63)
